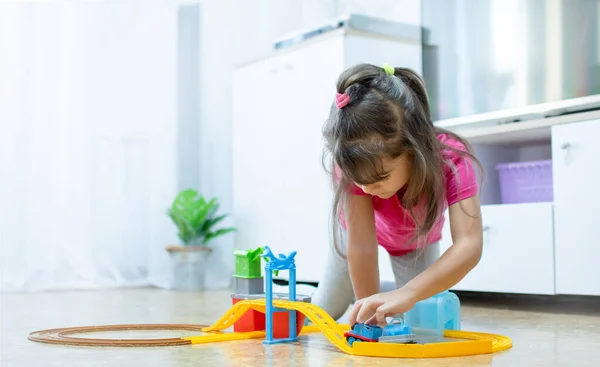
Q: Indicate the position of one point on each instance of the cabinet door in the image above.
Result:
(282, 194)
(307, 79)
(518, 254)
(576, 174)
(252, 161)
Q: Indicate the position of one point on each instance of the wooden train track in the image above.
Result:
(63, 335)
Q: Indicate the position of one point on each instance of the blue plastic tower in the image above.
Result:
(280, 262)
(433, 315)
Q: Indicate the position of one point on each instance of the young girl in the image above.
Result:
(395, 174)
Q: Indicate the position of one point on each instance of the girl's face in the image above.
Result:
(399, 173)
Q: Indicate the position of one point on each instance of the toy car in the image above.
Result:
(363, 332)
(395, 332)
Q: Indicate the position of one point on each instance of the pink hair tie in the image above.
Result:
(341, 99)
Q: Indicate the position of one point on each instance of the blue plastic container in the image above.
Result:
(434, 315)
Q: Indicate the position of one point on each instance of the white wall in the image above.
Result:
(405, 11)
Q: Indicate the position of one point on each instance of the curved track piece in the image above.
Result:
(499, 342)
(59, 336)
(475, 343)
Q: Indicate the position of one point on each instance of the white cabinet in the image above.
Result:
(576, 176)
(281, 193)
(545, 248)
(518, 250)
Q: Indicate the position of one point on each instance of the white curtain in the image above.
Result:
(88, 158)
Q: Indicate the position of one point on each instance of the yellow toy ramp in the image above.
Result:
(475, 343)
(320, 318)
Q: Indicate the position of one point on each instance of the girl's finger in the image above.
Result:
(367, 311)
(354, 311)
(371, 321)
(380, 315)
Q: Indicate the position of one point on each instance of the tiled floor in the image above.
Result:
(541, 335)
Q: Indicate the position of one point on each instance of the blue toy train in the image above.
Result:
(395, 332)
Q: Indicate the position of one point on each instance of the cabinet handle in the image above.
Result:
(565, 146)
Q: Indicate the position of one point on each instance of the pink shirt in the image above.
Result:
(394, 224)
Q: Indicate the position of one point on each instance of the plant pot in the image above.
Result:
(189, 265)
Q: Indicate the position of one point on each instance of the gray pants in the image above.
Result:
(335, 293)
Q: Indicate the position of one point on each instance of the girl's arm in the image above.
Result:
(459, 259)
(361, 247)
(449, 269)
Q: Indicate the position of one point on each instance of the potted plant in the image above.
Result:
(196, 220)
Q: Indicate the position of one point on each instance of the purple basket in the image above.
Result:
(526, 182)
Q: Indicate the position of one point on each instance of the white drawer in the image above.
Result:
(518, 250)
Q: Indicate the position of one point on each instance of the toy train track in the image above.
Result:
(62, 335)
(472, 343)
(475, 343)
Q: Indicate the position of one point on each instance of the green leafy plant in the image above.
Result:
(195, 218)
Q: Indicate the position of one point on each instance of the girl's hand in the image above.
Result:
(376, 308)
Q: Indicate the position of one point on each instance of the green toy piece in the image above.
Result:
(247, 263)
(254, 255)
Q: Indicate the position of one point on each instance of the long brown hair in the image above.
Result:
(387, 116)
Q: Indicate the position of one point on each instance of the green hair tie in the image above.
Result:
(389, 69)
